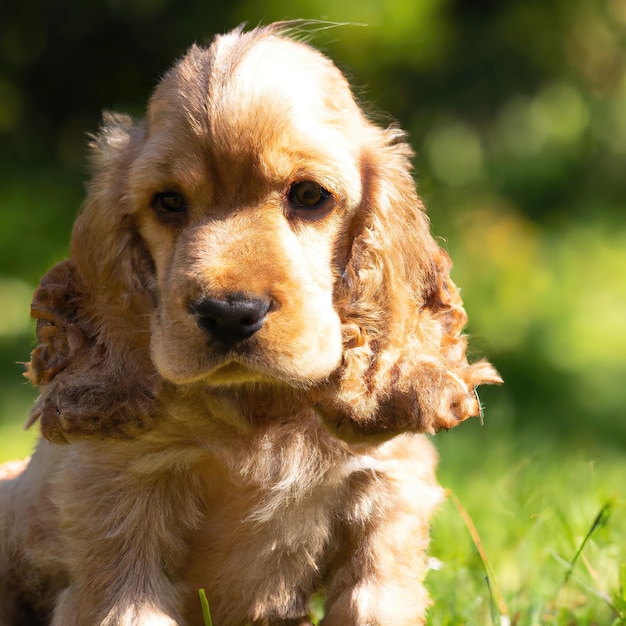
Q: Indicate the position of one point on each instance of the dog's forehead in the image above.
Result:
(248, 85)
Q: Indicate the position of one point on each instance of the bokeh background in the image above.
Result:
(517, 113)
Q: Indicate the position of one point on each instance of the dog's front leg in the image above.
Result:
(125, 583)
(123, 529)
(78, 607)
(377, 576)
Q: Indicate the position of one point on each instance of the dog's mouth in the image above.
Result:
(233, 373)
(232, 350)
(231, 328)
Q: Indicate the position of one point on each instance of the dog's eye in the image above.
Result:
(170, 202)
(309, 196)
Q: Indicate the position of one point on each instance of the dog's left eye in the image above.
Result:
(169, 201)
(309, 196)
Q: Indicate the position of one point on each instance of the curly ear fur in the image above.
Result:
(94, 373)
(404, 364)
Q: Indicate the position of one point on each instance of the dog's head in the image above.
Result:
(255, 228)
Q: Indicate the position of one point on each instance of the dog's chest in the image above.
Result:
(264, 540)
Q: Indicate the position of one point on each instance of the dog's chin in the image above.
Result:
(233, 373)
(232, 369)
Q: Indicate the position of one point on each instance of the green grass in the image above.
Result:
(540, 538)
(206, 611)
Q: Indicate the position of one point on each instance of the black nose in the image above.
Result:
(232, 319)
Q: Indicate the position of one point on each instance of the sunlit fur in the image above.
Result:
(291, 463)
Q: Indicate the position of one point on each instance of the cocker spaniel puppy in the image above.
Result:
(237, 364)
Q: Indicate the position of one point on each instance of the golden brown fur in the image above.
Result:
(237, 363)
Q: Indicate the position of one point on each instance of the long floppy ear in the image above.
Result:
(92, 361)
(404, 364)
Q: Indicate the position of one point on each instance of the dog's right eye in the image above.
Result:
(169, 202)
(310, 200)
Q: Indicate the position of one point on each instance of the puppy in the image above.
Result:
(237, 364)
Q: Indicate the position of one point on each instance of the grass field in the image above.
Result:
(534, 504)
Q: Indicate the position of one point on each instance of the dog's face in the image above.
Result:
(243, 192)
(256, 227)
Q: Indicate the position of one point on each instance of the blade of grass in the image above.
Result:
(206, 612)
(601, 519)
(596, 591)
(494, 590)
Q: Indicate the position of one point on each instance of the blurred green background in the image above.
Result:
(517, 112)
